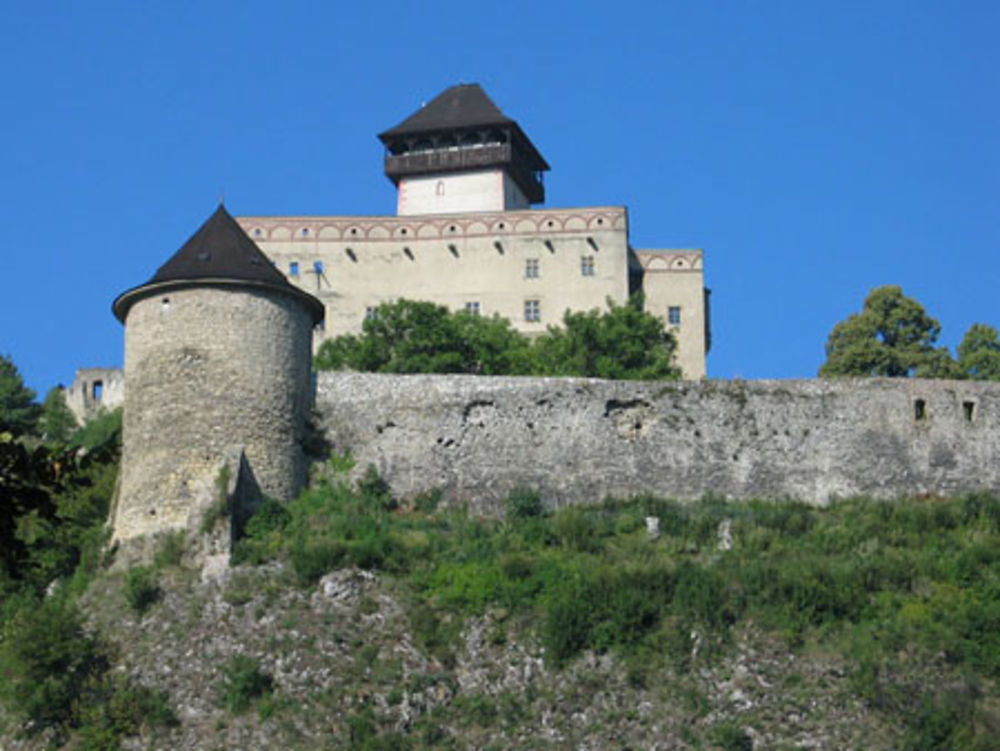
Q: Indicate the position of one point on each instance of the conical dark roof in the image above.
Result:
(463, 106)
(219, 253)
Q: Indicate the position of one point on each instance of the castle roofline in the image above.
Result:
(455, 108)
(460, 130)
(218, 254)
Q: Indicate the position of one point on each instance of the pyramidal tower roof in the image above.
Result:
(462, 130)
(463, 106)
(220, 253)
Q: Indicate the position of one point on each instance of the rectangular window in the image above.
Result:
(532, 310)
(472, 307)
(587, 265)
(293, 268)
(531, 268)
(370, 313)
(318, 267)
(674, 315)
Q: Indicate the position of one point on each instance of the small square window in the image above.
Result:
(293, 268)
(587, 265)
(674, 315)
(472, 307)
(531, 268)
(370, 313)
(532, 310)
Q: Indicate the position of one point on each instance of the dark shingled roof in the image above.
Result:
(462, 106)
(219, 253)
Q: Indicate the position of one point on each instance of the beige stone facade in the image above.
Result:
(465, 236)
(528, 266)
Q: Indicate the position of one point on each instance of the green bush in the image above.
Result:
(523, 504)
(730, 737)
(141, 588)
(120, 709)
(242, 682)
(47, 659)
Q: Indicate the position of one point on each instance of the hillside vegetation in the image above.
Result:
(352, 620)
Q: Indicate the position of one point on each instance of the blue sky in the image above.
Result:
(813, 149)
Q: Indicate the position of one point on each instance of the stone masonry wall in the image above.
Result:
(580, 440)
(210, 371)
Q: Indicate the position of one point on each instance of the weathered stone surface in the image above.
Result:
(210, 370)
(580, 440)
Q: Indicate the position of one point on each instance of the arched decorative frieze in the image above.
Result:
(360, 229)
(662, 261)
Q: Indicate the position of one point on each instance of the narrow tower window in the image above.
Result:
(587, 265)
(919, 410)
(674, 315)
(439, 188)
(293, 268)
(969, 410)
(531, 268)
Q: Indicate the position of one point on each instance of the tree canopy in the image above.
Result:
(406, 336)
(19, 412)
(57, 422)
(979, 353)
(623, 342)
(892, 336)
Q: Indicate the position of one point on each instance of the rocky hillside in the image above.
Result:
(349, 621)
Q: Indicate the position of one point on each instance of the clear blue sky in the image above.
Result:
(813, 149)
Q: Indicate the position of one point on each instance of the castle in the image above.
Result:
(465, 236)
(218, 348)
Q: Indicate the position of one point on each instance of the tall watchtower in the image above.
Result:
(460, 153)
(217, 363)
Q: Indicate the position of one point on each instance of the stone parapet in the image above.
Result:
(581, 440)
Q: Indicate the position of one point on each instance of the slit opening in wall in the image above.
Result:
(351, 255)
(969, 411)
(499, 246)
(453, 250)
(550, 246)
(919, 410)
(408, 253)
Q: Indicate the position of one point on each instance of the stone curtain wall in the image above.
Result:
(580, 440)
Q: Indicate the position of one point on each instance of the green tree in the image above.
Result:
(407, 336)
(57, 423)
(18, 410)
(979, 353)
(422, 337)
(401, 337)
(623, 342)
(892, 336)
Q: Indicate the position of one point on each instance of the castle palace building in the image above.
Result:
(465, 236)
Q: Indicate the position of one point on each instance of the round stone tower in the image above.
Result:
(217, 363)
